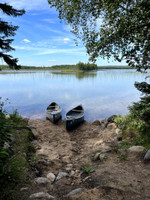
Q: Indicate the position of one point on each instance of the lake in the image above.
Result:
(102, 93)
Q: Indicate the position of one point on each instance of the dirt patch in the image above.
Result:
(110, 179)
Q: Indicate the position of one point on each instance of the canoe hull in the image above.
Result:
(53, 117)
(71, 124)
(74, 117)
(53, 112)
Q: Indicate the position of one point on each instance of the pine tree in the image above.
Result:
(6, 31)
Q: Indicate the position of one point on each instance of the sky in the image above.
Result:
(42, 40)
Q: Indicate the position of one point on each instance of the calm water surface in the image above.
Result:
(101, 93)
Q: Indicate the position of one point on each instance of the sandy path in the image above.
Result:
(111, 180)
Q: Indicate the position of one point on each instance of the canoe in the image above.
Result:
(74, 117)
(53, 112)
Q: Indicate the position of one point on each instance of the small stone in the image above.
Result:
(61, 175)
(42, 155)
(118, 131)
(70, 165)
(68, 169)
(86, 178)
(147, 156)
(96, 157)
(51, 177)
(31, 127)
(66, 159)
(42, 180)
(6, 146)
(104, 123)
(73, 192)
(96, 122)
(106, 150)
(24, 189)
(102, 157)
(42, 161)
(40, 195)
(111, 126)
(36, 145)
(111, 118)
(72, 173)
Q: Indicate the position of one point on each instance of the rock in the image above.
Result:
(106, 150)
(31, 127)
(104, 123)
(102, 157)
(6, 146)
(118, 131)
(61, 175)
(73, 192)
(111, 118)
(96, 122)
(24, 189)
(66, 159)
(42, 180)
(51, 177)
(72, 173)
(70, 165)
(36, 145)
(147, 156)
(42, 161)
(40, 195)
(111, 126)
(42, 155)
(96, 157)
(136, 149)
(68, 169)
(86, 178)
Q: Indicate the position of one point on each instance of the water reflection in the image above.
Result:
(78, 75)
(102, 94)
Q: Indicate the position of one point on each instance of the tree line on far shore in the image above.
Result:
(80, 66)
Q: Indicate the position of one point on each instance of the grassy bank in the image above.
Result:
(16, 156)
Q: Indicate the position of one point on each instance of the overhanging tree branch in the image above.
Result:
(7, 30)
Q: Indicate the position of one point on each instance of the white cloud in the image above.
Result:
(66, 40)
(28, 5)
(48, 29)
(51, 60)
(51, 21)
(26, 41)
(70, 51)
(45, 51)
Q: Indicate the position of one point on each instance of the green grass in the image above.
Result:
(122, 157)
(87, 169)
(16, 172)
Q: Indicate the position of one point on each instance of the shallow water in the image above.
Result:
(101, 93)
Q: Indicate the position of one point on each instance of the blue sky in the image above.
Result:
(42, 40)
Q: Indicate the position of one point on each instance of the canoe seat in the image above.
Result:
(78, 110)
(69, 116)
